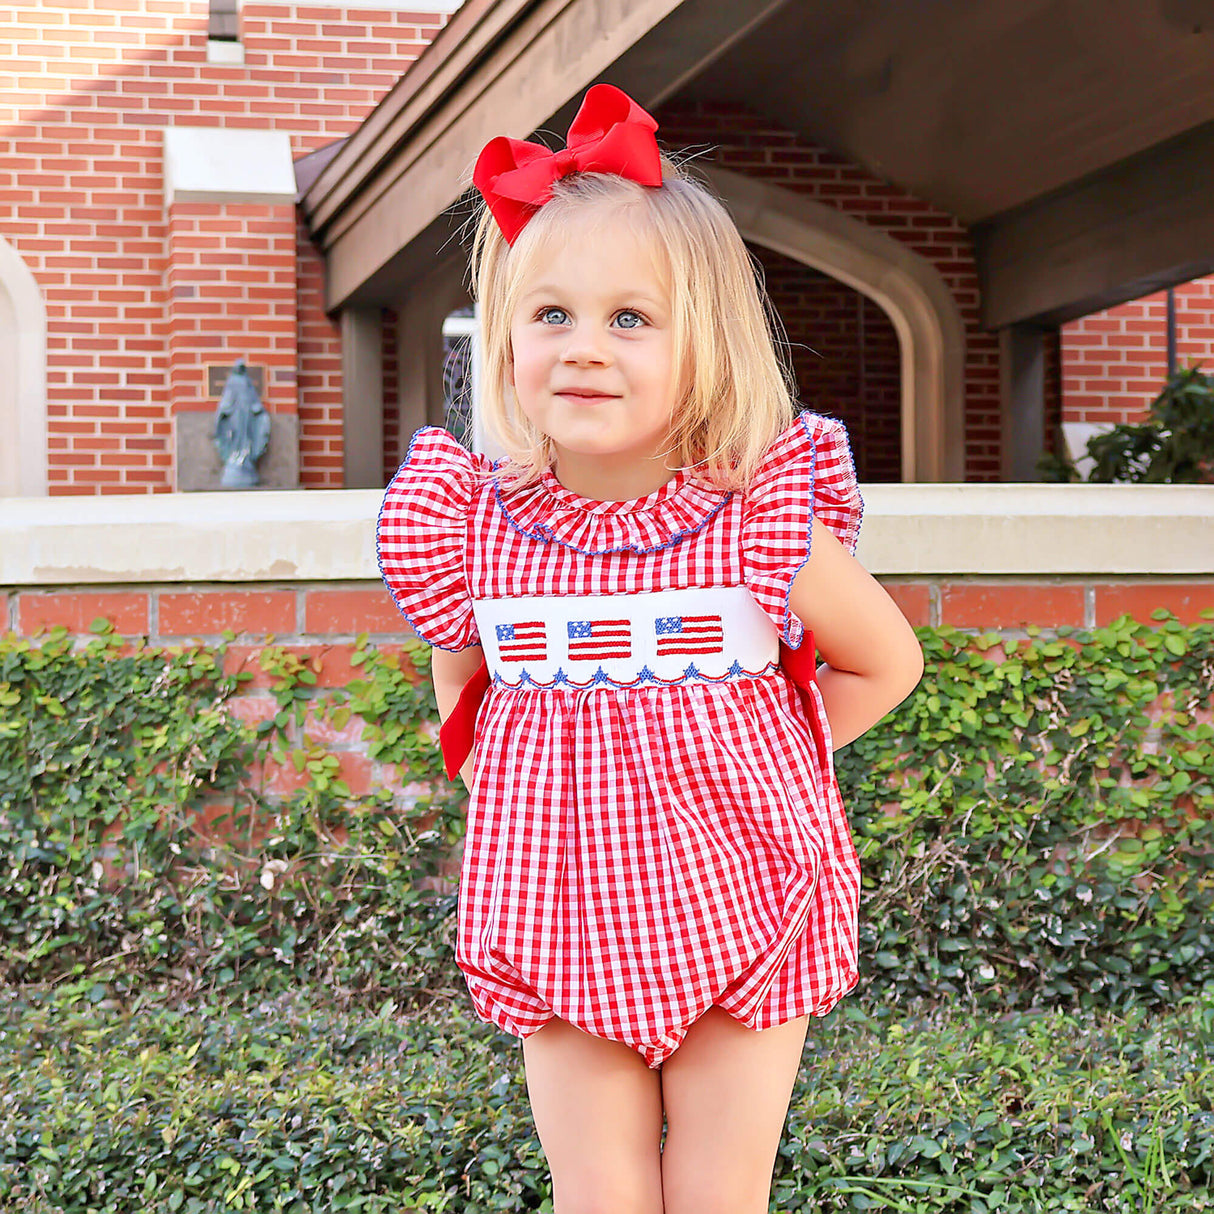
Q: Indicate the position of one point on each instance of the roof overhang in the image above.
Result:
(381, 209)
(1076, 141)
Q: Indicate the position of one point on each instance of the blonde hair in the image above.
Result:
(736, 392)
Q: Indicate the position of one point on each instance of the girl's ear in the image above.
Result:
(510, 365)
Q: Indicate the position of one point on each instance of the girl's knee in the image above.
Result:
(616, 1194)
(606, 1182)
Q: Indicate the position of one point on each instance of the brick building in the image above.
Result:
(968, 226)
(185, 184)
(124, 275)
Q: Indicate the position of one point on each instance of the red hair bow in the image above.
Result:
(610, 134)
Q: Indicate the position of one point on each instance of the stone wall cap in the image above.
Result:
(329, 534)
(227, 164)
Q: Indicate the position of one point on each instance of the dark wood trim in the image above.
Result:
(1125, 232)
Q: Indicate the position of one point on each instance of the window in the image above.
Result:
(461, 373)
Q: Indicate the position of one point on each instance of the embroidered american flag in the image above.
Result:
(595, 640)
(523, 642)
(690, 634)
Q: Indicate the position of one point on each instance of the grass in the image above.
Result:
(289, 1105)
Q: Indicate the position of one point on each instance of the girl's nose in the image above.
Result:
(583, 350)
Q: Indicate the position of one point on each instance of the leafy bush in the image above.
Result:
(190, 1020)
(1033, 821)
(107, 758)
(294, 1108)
(1174, 446)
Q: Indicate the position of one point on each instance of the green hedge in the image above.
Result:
(1034, 821)
(1035, 829)
(290, 1107)
(106, 756)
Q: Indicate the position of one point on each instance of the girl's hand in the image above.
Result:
(465, 772)
(873, 658)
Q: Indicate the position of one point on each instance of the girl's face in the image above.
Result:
(592, 358)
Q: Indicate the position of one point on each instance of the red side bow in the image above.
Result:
(458, 730)
(610, 134)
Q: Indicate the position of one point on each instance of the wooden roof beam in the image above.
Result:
(1134, 228)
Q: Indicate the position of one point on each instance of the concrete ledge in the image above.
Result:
(1039, 530)
(329, 535)
(270, 535)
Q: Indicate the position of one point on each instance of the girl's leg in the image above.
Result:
(726, 1091)
(598, 1111)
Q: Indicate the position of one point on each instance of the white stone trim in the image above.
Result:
(329, 534)
(227, 164)
(225, 51)
(1041, 530)
(23, 445)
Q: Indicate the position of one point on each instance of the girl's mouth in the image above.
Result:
(586, 398)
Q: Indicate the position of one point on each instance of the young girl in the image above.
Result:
(658, 884)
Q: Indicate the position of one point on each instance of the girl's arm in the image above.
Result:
(873, 658)
(450, 671)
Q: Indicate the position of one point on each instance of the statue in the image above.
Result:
(242, 429)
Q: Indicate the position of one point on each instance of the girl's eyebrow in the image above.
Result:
(625, 296)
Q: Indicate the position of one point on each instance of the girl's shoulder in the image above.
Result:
(436, 453)
(436, 482)
(808, 469)
(421, 536)
(806, 473)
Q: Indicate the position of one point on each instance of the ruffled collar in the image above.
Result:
(553, 514)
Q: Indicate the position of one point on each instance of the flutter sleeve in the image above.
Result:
(421, 538)
(807, 471)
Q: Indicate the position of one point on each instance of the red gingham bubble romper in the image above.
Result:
(635, 854)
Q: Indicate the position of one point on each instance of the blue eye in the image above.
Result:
(636, 316)
(546, 312)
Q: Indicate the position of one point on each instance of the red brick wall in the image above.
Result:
(750, 143)
(319, 374)
(82, 202)
(230, 282)
(319, 623)
(326, 617)
(1114, 362)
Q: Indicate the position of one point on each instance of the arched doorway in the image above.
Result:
(907, 288)
(845, 355)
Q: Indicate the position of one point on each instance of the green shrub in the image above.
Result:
(1034, 824)
(110, 888)
(1037, 830)
(1174, 446)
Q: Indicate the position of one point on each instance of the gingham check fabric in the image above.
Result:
(636, 855)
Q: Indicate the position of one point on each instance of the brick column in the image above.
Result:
(230, 280)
